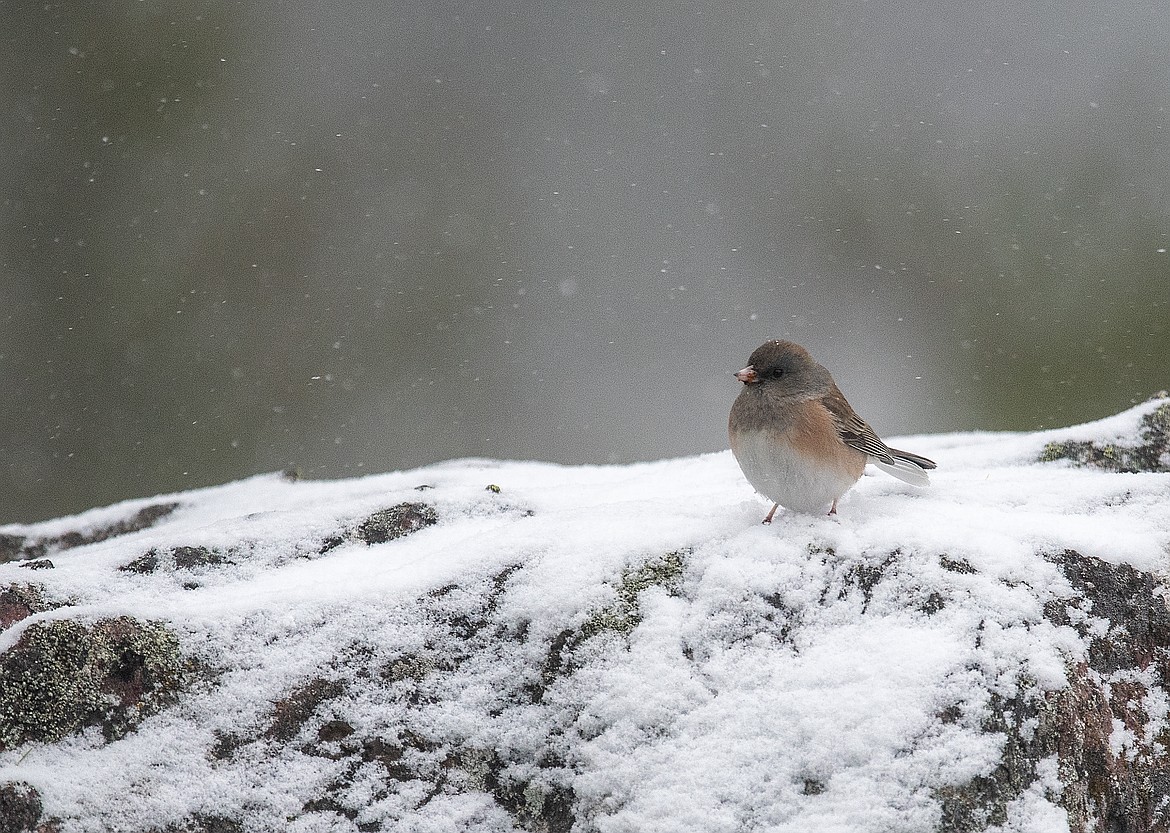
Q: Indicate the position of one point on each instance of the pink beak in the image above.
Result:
(748, 375)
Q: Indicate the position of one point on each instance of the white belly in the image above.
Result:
(786, 477)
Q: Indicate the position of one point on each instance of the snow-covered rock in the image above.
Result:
(495, 646)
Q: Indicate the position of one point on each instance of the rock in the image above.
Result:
(1106, 787)
(176, 558)
(403, 519)
(20, 808)
(20, 547)
(386, 525)
(19, 601)
(202, 823)
(39, 564)
(1151, 451)
(291, 713)
(62, 676)
(144, 564)
(1112, 750)
(614, 648)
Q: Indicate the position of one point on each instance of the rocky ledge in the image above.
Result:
(489, 646)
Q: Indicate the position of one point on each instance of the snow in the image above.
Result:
(790, 678)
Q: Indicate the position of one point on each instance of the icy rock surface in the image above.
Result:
(486, 646)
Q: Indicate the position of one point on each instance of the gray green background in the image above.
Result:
(362, 236)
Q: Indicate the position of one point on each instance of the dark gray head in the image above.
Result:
(785, 370)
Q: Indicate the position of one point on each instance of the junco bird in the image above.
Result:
(798, 441)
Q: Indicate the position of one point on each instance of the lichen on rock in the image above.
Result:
(623, 615)
(1151, 452)
(62, 676)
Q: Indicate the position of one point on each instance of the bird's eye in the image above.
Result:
(777, 373)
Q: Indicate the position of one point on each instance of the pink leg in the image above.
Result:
(768, 519)
(833, 508)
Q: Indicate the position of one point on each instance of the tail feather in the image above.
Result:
(916, 459)
(907, 467)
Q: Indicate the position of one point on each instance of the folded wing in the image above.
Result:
(856, 433)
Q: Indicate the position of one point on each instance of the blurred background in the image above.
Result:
(363, 236)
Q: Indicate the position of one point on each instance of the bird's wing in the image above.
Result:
(855, 431)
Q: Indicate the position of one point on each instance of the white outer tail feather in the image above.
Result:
(904, 470)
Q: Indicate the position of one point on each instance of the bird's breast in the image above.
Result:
(798, 461)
